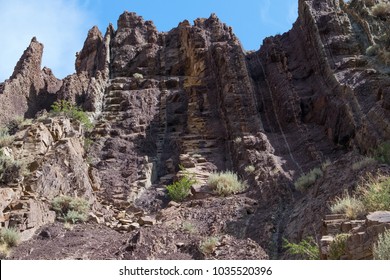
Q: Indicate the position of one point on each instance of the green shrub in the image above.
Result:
(351, 206)
(70, 209)
(375, 193)
(338, 246)
(72, 111)
(307, 249)
(11, 170)
(208, 245)
(381, 10)
(73, 217)
(382, 153)
(179, 190)
(10, 237)
(381, 250)
(308, 179)
(226, 183)
(372, 50)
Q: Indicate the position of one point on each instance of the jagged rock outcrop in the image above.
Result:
(193, 97)
(51, 155)
(30, 88)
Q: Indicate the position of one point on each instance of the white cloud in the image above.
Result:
(61, 25)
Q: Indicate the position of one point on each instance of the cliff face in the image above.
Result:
(193, 97)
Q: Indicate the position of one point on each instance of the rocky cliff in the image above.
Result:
(192, 97)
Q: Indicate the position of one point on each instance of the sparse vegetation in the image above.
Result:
(375, 193)
(382, 153)
(70, 209)
(10, 170)
(351, 206)
(307, 249)
(367, 161)
(308, 179)
(250, 169)
(138, 76)
(338, 246)
(4, 251)
(381, 10)
(180, 190)
(72, 111)
(10, 237)
(381, 250)
(189, 227)
(208, 246)
(226, 183)
(5, 138)
(72, 217)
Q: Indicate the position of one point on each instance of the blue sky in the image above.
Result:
(62, 25)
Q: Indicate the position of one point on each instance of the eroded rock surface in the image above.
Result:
(193, 97)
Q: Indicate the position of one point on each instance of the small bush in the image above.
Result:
(179, 190)
(226, 183)
(381, 250)
(72, 111)
(348, 205)
(208, 246)
(138, 76)
(363, 163)
(375, 193)
(338, 246)
(73, 217)
(10, 237)
(381, 10)
(189, 227)
(5, 138)
(250, 169)
(11, 170)
(306, 180)
(307, 249)
(4, 251)
(70, 209)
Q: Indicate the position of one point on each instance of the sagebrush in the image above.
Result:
(375, 193)
(381, 250)
(71, 209)
(308, 179)
(350, 206)
(208, 245)
(9, 237)
(226, 183)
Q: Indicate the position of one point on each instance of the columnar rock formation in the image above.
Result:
(193, 97)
